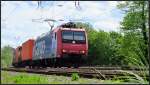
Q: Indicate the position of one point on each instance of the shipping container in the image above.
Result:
(27, 50)
(18, 54)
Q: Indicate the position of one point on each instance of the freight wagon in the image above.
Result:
(65, 45)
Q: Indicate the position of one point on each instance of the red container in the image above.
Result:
(27, 50)
(18, 54)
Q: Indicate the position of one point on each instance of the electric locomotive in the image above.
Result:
(66, 45)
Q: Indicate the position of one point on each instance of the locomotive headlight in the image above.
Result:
(82, 51)
(64, 51)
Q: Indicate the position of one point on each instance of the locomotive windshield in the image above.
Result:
(69, 36)
(79, 36)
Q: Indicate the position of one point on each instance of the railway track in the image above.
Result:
(97, 72)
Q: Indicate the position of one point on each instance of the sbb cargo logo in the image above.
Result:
(39, 48)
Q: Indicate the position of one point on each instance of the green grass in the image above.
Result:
(22, 78)
(26, 78)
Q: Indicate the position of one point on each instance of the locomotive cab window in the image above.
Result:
(69, 36)
(79, 36)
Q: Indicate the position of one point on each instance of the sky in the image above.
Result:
(17, 23)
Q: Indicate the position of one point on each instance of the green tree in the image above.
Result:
(104, 47)
(135, 23)
(116, 45)
(6, 56)
(132, 49)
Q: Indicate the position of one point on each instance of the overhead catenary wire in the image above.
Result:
(52, 17)
(39, 8)
(77, 5)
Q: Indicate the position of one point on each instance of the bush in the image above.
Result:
(75, 76)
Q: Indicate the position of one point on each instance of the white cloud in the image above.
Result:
(17, 17)
(109, 25)
(112, 4)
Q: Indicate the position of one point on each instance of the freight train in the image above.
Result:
(66, 45)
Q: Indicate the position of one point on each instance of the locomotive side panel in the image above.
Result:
(59, 44)
(27, 49)
(54, 44)
(43, 48)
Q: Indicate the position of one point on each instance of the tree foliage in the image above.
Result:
(135, 29)
(103, 46)
(115, 48)
(6, 56)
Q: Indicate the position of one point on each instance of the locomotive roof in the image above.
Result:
(73, 29)
(66, 26)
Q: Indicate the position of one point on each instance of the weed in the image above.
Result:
(75, 76)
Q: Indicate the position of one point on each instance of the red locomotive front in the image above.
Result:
(72, 44)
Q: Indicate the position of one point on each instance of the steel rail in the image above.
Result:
(85, 72)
